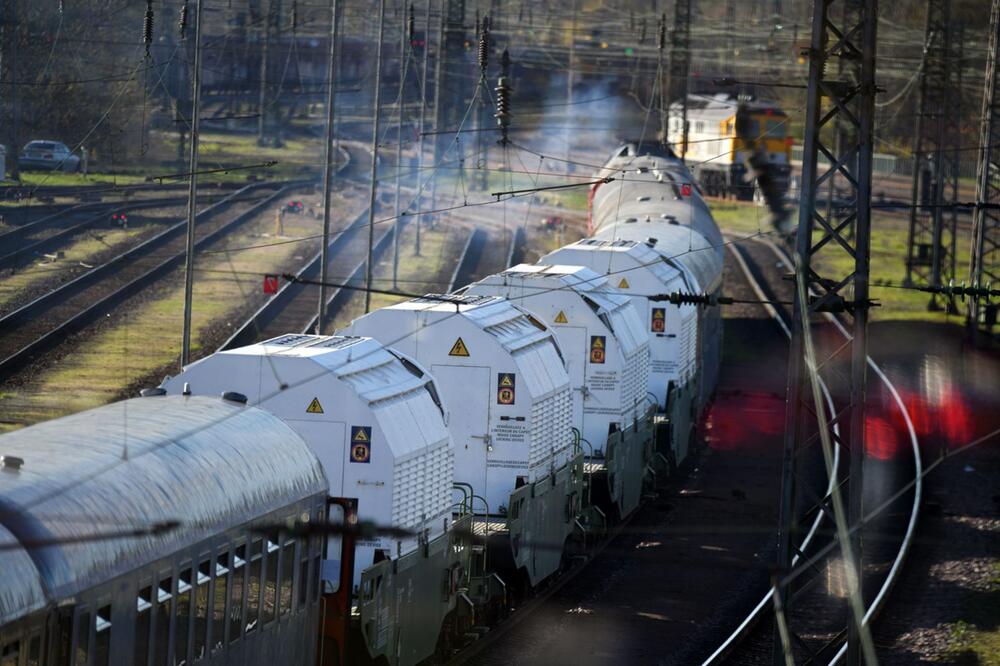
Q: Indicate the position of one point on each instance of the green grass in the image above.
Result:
(143, 340)
(888, 253)
(977, 640)
(430, 272)
(60, 179)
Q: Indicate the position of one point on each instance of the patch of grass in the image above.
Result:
(888, 256)
(427, 273)
(144, 337)
(61, 179)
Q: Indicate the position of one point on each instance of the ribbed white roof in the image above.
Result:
(518, 333)
(642, 256)
(603, 298)
(679, 246)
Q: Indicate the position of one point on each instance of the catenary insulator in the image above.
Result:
(411, 24)
(503, 91)
(295, 15)
(484, 44)
(642, 31)
(663, 32)
(182, 21)
(147, 27)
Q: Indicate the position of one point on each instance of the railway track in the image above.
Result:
(43, 323)
(818, 613)
(25, 242)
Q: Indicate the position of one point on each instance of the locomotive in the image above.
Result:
(500, 430)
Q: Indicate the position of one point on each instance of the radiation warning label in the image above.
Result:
(505, 388)
(597, 348)
(361, 444)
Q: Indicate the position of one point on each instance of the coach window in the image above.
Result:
(317, 563)
(143, 622)
(287, 573)
(34, 651)
(81, 652)
(303, 573)
(10, 653)
(236, 596)
(161, 627)
(102, 633)
(203, 578)
(183, 613)
(271, 578)
(219, 596)
(253, 584)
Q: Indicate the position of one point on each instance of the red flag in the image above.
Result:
(686, 190)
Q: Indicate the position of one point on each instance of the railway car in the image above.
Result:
(651, 205)
(210, 575)
(502, 381)
(720, 152)
(499, 428)
(606, 351)
(646, 277)
(374, 419)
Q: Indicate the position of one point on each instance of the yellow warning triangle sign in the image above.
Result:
(623, 284)
(598, 343)
(459, 349)
(314, 407)
(561, 318)
(360, 435)
(505, 381)
(658, 313)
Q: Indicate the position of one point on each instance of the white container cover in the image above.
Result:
(639, 271)
(652, 189)
(600, 334)
(370, 417)
(501, 380)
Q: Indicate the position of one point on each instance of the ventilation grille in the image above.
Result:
(551, 433)
(421, 487)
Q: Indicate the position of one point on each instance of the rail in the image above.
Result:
(516, 251)
(467, 260)
(57, 334)
(759, 609)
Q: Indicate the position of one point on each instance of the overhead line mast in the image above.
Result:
(328, 171)
(680, 66)
(985, 261)
(850, 39)
(377, 104)
(192, 215)
(930, 253)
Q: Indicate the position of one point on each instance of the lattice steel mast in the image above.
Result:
(985, 262)
(680, 65)
(849, 38)
(930, 257)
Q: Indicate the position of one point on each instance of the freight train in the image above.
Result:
(495, 433)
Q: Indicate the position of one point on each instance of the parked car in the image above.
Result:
(48, 155)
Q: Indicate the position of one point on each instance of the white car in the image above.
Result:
(48, 155)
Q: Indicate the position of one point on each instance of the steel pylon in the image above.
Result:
(985, 261)
(841, 89)
(930, 254)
